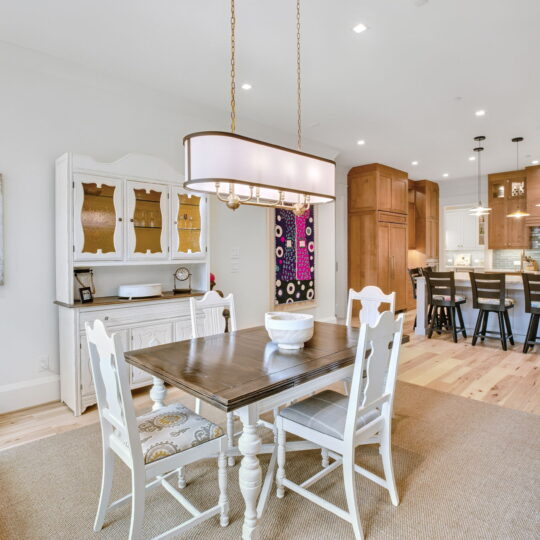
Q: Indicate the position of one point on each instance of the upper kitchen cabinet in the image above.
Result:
(148, 228)
(188, 238)
(378, 187)
(507, 193)
(533, 195)
(98, 231)
(462, 230)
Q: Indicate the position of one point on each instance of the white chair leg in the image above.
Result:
(106, 484)
(350, 493)
(280, 475)
(137, 504)
(197, 406)
(325, 460)
(230, 436)
(386, 453)
(181, 477)
(223, 497)
(347, 386)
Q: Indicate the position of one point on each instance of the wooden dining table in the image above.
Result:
(246, 373)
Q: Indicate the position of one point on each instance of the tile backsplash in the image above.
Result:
(503, 259)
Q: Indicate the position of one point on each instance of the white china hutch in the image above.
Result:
(128, 222)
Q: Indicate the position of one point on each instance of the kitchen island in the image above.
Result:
(514, 289)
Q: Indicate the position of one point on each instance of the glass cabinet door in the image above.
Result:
(148, 220)
(189, 224)
(516, 188)
(98, 211)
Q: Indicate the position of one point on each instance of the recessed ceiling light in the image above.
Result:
(414, 162)
(534, 162)
(361, 142)
(472, 158)
(359, 28)
(445, 175)
(246, 86)
(480, 112)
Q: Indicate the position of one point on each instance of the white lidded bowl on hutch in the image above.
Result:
(289, 330)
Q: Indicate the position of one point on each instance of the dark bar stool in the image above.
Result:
(413, 274)
(444, 304)
(531, 287)
(489, 296)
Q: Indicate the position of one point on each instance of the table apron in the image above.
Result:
(301, 390)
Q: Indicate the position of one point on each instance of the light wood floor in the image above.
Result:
(485, 373)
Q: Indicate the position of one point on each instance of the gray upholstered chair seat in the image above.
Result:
(326, 413)
(495, 301)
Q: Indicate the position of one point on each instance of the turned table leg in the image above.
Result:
(158, 393)
(250, 474)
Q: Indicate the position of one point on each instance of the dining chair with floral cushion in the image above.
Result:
(154, 445)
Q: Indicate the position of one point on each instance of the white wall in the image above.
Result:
(48, 107)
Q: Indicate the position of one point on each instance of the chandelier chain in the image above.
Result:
(233, 67)
(298, 80)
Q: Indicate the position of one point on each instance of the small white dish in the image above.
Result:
(289, 330)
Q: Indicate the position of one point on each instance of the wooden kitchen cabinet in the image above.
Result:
(427, 218)
(412, 215)
(378, 187)
(377, 225)
(507, 192)
(533, 195)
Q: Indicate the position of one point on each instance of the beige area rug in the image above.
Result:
(465, 470)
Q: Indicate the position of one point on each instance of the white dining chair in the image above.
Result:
(341, 423)
(153, 445)
(208, 318)
(371, 298)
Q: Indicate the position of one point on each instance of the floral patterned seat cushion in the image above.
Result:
(446, 298)
(173, 429)
(495, 301)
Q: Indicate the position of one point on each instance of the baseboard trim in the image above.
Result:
(24, 394)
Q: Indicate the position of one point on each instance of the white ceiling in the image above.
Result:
(409, 85)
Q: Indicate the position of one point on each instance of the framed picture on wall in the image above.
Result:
(1, 232)
(293, 258)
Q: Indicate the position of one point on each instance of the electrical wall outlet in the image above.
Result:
(44, 363)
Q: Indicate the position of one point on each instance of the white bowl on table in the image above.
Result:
(289, 330)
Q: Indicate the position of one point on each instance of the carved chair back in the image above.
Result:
(371, 298)
(377, 355)
(111, 380)
(218, 315)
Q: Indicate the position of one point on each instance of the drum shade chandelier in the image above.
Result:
(519, 213)
(479, 210)
(240, 170)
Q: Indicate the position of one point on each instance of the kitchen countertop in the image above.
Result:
(513, 281)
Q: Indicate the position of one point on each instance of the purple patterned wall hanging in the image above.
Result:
(294, 256)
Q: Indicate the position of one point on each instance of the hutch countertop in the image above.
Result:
(114, 300)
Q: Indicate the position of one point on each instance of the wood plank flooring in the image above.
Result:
(485, 373)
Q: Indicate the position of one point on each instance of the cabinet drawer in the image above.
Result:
(139, 313)
(390, 217)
